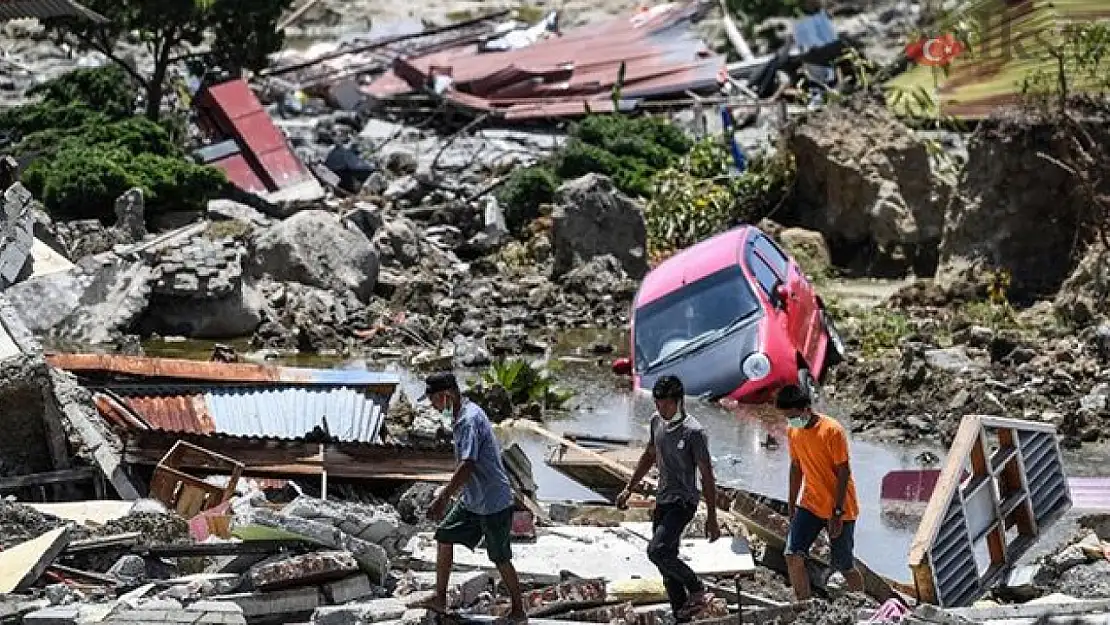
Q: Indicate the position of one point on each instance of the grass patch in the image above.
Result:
(530, 13)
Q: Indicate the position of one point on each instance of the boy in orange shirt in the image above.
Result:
(819, 455)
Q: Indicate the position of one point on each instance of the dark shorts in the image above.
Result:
(463, 527)
(806, 527)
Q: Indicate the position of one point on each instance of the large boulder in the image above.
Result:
(1085, 294)
(591, 219)
(1016, 210)
(314, 248)
(864, 178)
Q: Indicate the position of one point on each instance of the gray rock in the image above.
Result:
(313, 248)
(130, 214)
(397, 243)
(235, 315)
(376, 184)
(415, 501)
(592, 218)
(950, 359)
(91, 303)
(400, 162)
(230, 210)
(129, 568)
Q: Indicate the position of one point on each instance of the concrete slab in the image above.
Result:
(463, 588)
(271, 605)
(54, 615)
(82, 512)
(596, 552)
(22, 565)
(310, 568)
(347, 590)
(377, 611)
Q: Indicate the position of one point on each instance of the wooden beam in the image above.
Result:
(64, 476)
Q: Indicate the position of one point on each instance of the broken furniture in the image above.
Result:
(1002, 484)
(186, 494)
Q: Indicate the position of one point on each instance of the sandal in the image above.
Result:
(696, 603)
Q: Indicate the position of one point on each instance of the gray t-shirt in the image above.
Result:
(677, 452)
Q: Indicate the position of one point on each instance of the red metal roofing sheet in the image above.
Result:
(283, 168)
(235, 98)
(240, 173)
(259, 132)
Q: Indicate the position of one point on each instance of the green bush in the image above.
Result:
(108, 90)
(174, 184)
(628, 150)
(83, 182)
(77, 179)
(701, 196)
(24, 120)
(524, 192)
(137, 135)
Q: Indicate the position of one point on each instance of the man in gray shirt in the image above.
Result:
(679, 446)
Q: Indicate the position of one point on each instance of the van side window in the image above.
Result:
(779, 262)
(764, 275)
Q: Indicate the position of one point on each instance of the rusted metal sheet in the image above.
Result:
(44, 9)
(218, 372)
(1002, 484)
(553, 77)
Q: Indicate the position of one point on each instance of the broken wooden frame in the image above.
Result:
(290, 459)
(1002, 484)
(186, 494)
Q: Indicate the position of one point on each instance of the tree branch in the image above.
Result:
(108, 52)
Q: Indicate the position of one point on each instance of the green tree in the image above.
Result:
(243, 33)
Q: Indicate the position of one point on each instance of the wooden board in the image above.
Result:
(22, 565)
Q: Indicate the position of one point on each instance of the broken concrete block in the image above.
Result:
(347, 590)
(217, 613)
(287, 603)
(371, 523)
(1021, 583)
(376, 611)
(54, 615)
(418, 617)
(310, 568)
(463, 589)
(371, 558)
(417, 598)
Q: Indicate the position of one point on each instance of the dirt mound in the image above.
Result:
(1016, 208)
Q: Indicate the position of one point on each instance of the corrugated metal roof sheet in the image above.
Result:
(352, 414)
(660, 55)
(43, 9)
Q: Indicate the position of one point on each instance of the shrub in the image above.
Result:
(523, 193)
(83, 182)
(24, 120)
(174, 184)
(80, 178)
(137, 135)
(701, 196)
(108, 90)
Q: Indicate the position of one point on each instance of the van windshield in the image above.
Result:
(693, 316)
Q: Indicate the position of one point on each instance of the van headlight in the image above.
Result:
(756, 366)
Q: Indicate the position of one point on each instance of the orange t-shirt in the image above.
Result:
(818, 450)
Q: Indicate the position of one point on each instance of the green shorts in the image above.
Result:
(463, 527)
